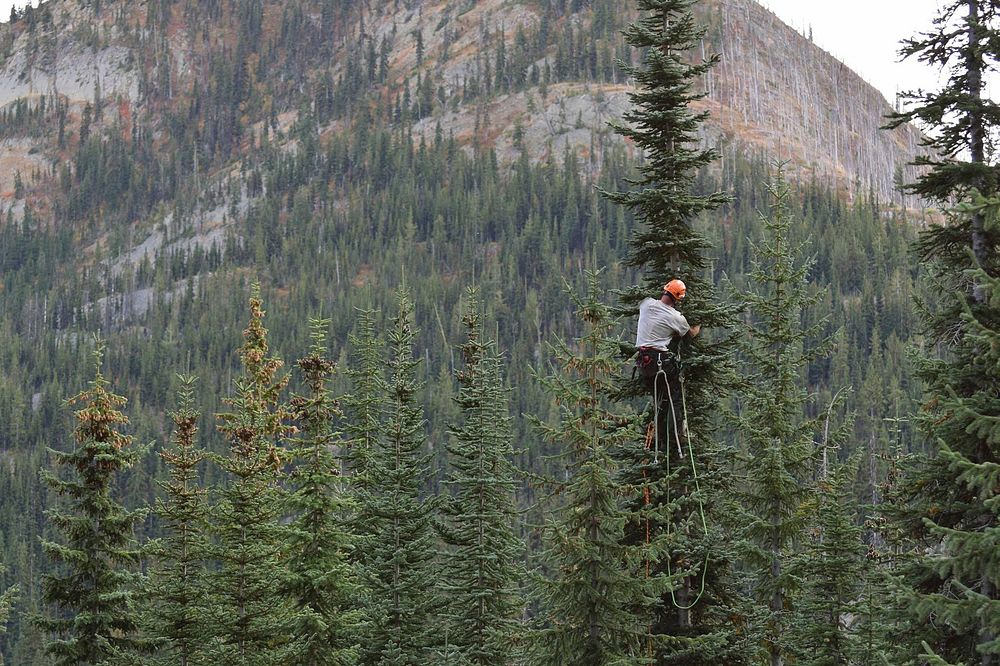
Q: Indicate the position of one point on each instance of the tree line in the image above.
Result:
(749, 547)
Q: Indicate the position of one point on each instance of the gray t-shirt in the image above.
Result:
(658, 324)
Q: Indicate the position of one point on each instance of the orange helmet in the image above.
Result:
(676, 289)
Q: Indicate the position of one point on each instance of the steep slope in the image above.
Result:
(508, 75)
(777, 92)
(156, 157)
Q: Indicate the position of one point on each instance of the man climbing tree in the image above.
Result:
(672, 500)
(949, 498)
(660, 329)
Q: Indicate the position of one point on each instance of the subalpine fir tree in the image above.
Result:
(965, 41)
(952, 508)
(253, 614)
(875, 626)
(832, 568)
(661, 123)
(481, 569)
(321, 579)
(7, 600)
(778, 438)
(363, 405)
(91, 592)
(400, 559)
(881, 611)
(594, 592)
(363, 427)
(176, 615)
(949, 497)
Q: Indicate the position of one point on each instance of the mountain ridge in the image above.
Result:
(817, 114)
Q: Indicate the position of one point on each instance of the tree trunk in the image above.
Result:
(777, 606)
(987, 635)
(974, 64)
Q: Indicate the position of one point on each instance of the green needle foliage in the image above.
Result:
(481, 569)
(832, 569)
(664, 128)
(363, 426)
(778, 437)
(91, 591)
(947, 498)
(953, 508)
(364, 405)
(321, 580)
(594, 598)
(7, 599)
(177, 614)
(254, 616)
(965, 42)
(401, 554)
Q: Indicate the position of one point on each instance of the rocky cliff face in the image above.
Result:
(774, 93)
(777, 92)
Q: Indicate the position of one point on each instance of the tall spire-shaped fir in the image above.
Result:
(253, 615)
(177, 606)
(322, 580)
(401, 552)
(832, 568)
(953, 498)
(91, 591)
(481, 572)
(950, 503)
(594, 598)
(663, 126)
(773, 424)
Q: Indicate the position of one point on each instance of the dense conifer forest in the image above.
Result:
(384, 411)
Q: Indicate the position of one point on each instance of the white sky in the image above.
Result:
(864, 34)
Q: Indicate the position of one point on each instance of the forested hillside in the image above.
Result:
(158, 158)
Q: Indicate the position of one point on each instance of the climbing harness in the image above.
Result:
(680, 452)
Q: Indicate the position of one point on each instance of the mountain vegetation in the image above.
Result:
(462, 468)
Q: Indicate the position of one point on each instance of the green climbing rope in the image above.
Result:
(694, 470)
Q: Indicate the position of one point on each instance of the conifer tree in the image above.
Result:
(832, 569)
(7, 599)
(481, 572)
(322, 581)
(777, 435)
(594, 597)
(663, 126)
(965, 41)
(951, 505)
(400, 560)
(948, 498)
(92, 589)
(363, 426)
(253, 615)
(881, 608)
(364, 403)
(177, 614)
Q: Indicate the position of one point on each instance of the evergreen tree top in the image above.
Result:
(92, 586)
(963, 122)
(101, 413)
